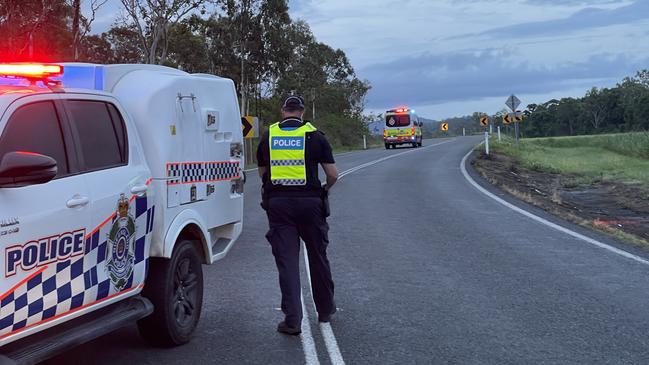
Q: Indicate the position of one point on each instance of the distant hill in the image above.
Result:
(376, 127)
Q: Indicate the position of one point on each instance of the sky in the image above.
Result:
(449, 58)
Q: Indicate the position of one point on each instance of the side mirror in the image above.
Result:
(18, 169)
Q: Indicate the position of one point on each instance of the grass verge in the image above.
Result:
(601, 182)
(620, 158)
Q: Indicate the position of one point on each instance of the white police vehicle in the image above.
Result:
(116, 183)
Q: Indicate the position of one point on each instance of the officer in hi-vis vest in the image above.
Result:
(297, 205)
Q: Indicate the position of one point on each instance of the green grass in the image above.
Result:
(589, 159)
(627, 144)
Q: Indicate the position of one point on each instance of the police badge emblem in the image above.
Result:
(120, 248)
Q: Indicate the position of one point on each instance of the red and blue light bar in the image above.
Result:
(402, 110)
(73, 75)
(30, 70)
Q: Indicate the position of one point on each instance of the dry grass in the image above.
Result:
(556, 210)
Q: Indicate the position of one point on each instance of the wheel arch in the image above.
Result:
(190, 226)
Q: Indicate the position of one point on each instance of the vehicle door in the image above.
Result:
(118, 177)
(42, 226)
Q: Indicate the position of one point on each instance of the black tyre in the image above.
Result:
(175, 287)
(387, 146)
(414, 144)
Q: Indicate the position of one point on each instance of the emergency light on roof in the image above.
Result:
(76, 75)
(30, 70)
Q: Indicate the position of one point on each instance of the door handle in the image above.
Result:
(139, 190)
(77, 201)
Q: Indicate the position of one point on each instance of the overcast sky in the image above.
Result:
(453, 57)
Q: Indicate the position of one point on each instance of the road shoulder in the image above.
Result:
(582, 230)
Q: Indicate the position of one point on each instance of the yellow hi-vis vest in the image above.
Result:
(287, 165)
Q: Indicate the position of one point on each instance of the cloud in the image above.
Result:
(434, 79)
(586, 18)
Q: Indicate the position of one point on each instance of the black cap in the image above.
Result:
(293, 102)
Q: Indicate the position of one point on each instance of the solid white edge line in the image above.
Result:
(545, 221)
(308, 344)
(331, 344)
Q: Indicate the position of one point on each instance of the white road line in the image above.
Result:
(308, 344)
(331, 344)
(328, 335)
(368, 164)
(545, 221)
(335, 356)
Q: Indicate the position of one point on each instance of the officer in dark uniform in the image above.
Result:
(297, 206)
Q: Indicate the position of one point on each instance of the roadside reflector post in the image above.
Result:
(486, 142)
(491, 128)
(463, 132)
(364, 142)
(516, 132)
(499, 134)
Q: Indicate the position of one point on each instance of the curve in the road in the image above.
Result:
(544, 221)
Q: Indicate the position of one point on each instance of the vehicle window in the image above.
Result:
(120, 131)
(36, 128)
(102, 142)
(397, 120)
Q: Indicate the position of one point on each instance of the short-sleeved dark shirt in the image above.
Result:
(317, 150)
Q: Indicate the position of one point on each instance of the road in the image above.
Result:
(428, 269)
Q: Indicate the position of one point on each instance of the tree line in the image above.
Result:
(623, 108)
(255, 43)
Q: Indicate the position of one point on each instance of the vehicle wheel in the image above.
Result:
(414, 144)
(387, 146)
(421, 143)
(175, 287)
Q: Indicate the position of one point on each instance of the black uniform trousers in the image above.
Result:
(292, 218)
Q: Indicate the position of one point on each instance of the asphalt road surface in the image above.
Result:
(428, 270)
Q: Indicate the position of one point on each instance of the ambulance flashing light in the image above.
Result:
(404, 110)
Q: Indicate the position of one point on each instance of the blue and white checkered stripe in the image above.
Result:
(79, 281)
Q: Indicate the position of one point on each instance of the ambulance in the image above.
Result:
(117, 182)
(402, 126)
